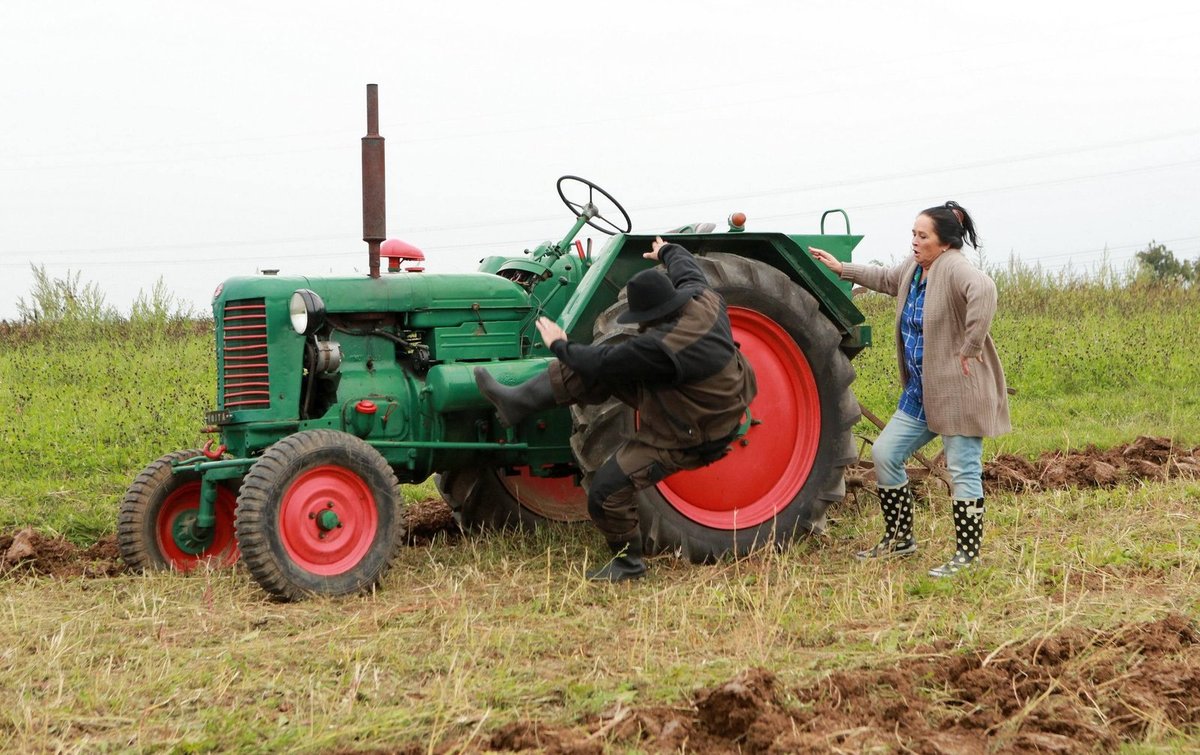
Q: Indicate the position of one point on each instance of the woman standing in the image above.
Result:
(952, 377)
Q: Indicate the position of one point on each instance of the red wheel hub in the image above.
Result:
(184, 501)
(558, 499)
(756, 481)
(328, 520)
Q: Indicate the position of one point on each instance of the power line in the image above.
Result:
(494, 244)
(723, 198)
(935, 171)
(1109, 248)
(993, 190)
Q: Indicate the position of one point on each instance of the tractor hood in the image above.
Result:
(408, 292)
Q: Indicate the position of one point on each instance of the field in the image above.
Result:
(1078, 634)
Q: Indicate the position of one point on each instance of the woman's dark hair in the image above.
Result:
(953, 225)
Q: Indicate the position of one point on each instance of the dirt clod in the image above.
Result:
(28, 550)
(731, 708)
(20, 549)
(523, 736)
(425, 519)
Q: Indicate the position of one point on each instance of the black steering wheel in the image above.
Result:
(588, 209)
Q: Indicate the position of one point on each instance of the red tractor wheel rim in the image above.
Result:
(758, 480)
(185, 501)
(558, 499)
(328, 520)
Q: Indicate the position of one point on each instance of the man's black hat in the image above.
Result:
(651, 296)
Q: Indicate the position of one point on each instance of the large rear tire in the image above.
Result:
(486, 498)
(157, 516)
(778, 485)
(318, 515)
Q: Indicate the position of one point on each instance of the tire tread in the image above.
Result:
(267, 480)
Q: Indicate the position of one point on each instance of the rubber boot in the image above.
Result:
(898, 540)
(968, 537)
(626, 562)
(518, 402)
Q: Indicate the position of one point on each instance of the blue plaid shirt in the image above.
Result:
(912, 332)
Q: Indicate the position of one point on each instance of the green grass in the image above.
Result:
(83, 409)
(468, 634)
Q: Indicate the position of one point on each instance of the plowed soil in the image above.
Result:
(31, 552)
(1147, 458)
(1076, 692)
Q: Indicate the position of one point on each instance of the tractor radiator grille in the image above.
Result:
(245, 374)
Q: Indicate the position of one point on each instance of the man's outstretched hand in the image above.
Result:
(550, 331)
(655, 245)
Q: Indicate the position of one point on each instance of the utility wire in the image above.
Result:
(716, 198)
(993, 190)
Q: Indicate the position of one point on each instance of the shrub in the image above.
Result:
(1159, 264)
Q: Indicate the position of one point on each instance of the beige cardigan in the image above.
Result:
(960, 301)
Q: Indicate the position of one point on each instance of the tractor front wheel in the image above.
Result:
(156, 526)
(318, 515)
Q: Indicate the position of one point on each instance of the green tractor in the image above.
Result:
(333, 391)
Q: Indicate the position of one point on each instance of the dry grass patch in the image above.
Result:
(470, 635)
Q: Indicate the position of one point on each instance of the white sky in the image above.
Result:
(199, 141)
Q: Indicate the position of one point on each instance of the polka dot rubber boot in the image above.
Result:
(968, 537)
(897, 505)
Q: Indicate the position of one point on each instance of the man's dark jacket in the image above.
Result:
(692, 384)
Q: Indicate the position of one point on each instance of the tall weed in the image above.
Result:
(63, 300)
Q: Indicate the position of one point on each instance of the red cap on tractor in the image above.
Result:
(395, 250)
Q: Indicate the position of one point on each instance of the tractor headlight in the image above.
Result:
(307, 311)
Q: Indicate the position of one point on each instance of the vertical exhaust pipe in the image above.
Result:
(374, 206)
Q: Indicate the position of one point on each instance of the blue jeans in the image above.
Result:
(904, 435)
